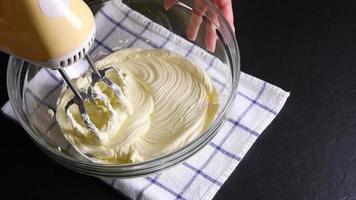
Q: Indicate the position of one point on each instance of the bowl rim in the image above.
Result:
(156, 164)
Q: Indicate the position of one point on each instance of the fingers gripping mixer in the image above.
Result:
(53, 34)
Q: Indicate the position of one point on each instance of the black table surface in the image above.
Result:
(309, 151)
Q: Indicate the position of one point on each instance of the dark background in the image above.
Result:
(308, 152)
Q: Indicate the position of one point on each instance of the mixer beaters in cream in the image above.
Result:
(54, 34)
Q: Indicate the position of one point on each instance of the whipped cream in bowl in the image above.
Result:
(167, 102)
(175, 96)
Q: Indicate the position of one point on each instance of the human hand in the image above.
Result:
(225, 6)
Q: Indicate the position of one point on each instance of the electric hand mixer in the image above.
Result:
(54, 34)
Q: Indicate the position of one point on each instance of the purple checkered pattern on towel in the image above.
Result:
(257, 103)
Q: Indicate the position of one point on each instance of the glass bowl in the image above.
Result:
(33, 90)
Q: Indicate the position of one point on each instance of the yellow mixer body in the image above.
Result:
(50, 33)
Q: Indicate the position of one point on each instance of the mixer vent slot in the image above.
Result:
(79, 55)
(70, 61)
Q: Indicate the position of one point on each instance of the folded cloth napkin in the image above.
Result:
(199, 177)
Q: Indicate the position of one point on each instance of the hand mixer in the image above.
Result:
(54, 34)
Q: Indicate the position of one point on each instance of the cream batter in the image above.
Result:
(167, 102)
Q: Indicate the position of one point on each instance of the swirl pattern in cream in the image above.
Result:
(167, 102)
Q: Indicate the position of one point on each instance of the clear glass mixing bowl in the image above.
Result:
(36, 114)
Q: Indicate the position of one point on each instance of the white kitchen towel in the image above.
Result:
(199, 177)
